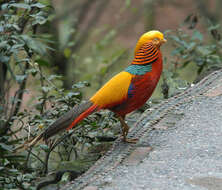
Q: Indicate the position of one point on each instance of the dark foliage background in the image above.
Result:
(47, 47)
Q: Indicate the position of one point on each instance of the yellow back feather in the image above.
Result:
(114, 91)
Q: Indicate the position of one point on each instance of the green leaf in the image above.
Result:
(214, 27)
(204, 50)
(35, 45)
(197, 36)
(185, 63)
(46, 89)
(6, 147)
(65, 177)
(67, 52)
(44, 147)
(16, 46)
(20, 5)
(4, 6)
(42, 62)
(191, 46)
(73, 94)
(15, 26)
(19, 61)
(33, 71)
(39, 5)
(4, 59)
(1, 28)
(39, 18)
(188, 18)
(52, 77)
(5, 162)
(4, 44)
(80, 84)
(13, 171)
(20, 78)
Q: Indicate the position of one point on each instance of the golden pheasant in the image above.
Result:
(123, 93)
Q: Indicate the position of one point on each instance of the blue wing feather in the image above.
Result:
(130, 91)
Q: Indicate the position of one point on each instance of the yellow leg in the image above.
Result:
(125, 130)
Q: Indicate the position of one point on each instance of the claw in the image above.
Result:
(134, 141)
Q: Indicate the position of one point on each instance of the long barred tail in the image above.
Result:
(70, 119)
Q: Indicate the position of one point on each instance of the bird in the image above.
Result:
(124, 92)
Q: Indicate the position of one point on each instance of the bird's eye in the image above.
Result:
(156, 39)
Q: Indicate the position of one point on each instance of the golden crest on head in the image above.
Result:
(149, 37)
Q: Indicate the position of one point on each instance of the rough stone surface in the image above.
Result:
(137, 155)
(215, 91)
(187, 157)
(90, 188)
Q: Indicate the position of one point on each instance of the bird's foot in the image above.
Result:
(134, 141)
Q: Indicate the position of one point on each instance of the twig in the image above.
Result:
(37, 158)
(53, 146)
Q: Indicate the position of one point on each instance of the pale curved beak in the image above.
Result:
(163, 40)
